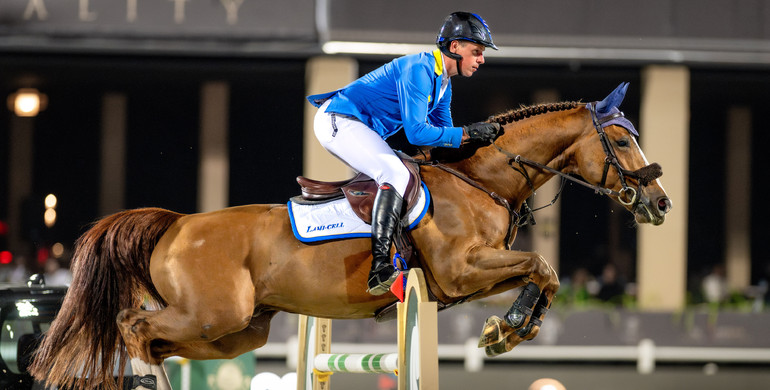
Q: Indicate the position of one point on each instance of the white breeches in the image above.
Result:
(361, 148)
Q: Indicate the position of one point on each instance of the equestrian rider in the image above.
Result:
(411, 92)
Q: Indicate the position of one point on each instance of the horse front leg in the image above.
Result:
(524, 318)
(500, 336)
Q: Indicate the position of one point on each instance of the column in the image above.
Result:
(738, 198)
(664, 136)
(324, 74)
(112, 186)
(214, 168)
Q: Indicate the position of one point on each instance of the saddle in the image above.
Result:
(359, 190)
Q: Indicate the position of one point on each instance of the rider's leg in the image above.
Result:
(365, 151)
(386, 216)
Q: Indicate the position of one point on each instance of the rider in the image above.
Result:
(411, 92)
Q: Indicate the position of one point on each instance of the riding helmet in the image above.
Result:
(463, 25)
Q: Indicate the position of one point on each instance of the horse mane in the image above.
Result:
(456, 154)
(528, 111)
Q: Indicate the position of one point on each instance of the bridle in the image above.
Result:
(643, 175)
(611, 158)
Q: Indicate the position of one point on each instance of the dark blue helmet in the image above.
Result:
(463, 25)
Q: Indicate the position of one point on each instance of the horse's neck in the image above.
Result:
(545, 139)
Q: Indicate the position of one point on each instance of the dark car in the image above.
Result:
(26, 312)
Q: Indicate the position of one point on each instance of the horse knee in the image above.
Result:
(542, 267)
(554, 284)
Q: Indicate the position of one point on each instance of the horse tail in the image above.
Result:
(111, 272)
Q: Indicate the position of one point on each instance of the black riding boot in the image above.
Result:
(386, 215)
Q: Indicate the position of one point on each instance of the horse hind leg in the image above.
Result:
(135, 330)
(146, 333)
(228, 346)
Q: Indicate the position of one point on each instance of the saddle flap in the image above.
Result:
(361, 196)
(413, 187)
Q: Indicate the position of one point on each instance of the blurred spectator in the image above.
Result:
(16, 271)
(55, 274)
(714, 285)
(612, 287)
(579, 287)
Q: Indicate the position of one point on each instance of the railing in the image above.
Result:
(645, 354)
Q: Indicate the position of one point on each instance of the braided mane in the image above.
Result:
(467, 150)
(528, 111)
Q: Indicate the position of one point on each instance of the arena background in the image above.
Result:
(194, 105)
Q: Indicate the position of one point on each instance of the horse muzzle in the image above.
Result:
(647, 210)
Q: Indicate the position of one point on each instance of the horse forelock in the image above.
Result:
(533, 110)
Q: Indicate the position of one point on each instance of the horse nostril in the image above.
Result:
(664, 205)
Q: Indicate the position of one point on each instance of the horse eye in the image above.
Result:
(622, 142)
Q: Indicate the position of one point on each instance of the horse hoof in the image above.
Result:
(491, 334)
(496, 349)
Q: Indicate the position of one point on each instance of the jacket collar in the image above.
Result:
(439, 67)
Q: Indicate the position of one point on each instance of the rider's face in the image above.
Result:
(473, 56)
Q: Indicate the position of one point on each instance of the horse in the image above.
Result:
(151, 283)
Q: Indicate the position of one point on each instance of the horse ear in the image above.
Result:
(613, 99)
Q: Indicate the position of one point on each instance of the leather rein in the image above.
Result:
(610, 160)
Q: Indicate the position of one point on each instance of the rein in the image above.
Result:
(517, 158)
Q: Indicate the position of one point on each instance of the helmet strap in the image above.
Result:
(445, 50)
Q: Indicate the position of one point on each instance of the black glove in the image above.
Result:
(482, 131)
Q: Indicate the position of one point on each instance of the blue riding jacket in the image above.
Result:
(404, 93)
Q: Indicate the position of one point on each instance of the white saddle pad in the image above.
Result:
(336, 220)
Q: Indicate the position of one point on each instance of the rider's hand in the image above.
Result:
(482, 131)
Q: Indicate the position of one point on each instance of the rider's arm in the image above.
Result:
(415, 87)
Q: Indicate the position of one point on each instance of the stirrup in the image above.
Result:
(382, 286)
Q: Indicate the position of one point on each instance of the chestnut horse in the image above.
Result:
(150, 283)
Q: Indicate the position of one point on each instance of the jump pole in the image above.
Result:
(416, 363)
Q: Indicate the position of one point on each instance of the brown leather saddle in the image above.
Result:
(359, 191)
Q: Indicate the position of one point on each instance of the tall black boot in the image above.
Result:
(386, 215)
